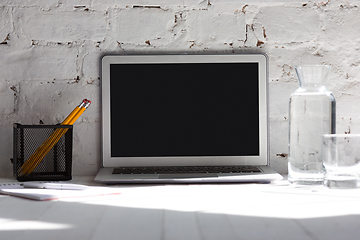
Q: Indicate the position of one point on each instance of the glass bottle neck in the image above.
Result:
(312, 78)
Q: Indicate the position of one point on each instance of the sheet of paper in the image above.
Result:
(16, 189)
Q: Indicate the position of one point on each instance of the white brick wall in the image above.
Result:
(50, 52)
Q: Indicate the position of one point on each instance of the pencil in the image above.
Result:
(35, 159)
(50, 143)
(44, 145)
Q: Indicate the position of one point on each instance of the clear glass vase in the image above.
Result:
(312, 114)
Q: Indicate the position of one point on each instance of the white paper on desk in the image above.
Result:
(51, 194)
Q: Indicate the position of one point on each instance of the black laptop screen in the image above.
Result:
(187, 109)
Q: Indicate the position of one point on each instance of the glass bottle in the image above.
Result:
(312, 114)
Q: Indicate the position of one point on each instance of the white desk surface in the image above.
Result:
(224, 211)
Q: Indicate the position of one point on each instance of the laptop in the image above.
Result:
(185, 119)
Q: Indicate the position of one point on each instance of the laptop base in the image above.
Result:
(111, 176)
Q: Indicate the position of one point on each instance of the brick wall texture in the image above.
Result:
(50, 54)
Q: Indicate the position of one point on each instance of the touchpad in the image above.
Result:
(188, 175)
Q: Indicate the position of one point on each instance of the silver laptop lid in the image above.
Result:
(184, 110)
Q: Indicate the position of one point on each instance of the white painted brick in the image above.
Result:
(341, 25)
(90, 62)
(61, 26)
(348, 113)
(6, 148)
(285, 56)
(345, 60)
(209, 27)
(38, 63)
(85, 155)
(75, 3)
(5, 24)
(57, 100)
(51, 58)
(288, 24)
(279, 93)
(142, 26)
(130, 3)
(37, 3)
(9, 95)
(279, 144)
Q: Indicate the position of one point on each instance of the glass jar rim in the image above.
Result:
(341, 135)
(300, 66)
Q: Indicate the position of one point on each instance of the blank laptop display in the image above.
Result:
(185, 118)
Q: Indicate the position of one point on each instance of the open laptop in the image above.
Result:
(185, 118)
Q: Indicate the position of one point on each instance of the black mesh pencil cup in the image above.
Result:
(42, 152)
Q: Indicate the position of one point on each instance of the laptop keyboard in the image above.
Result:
(185, 169)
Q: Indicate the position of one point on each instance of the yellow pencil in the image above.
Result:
(34, 160)
(44, 145)
(50, 143)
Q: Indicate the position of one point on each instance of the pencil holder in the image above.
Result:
(42, 152)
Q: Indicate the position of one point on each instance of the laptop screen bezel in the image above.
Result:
(109, 161)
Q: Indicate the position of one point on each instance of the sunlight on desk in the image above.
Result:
(255, 200)
(8, 225)
(191, 212)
